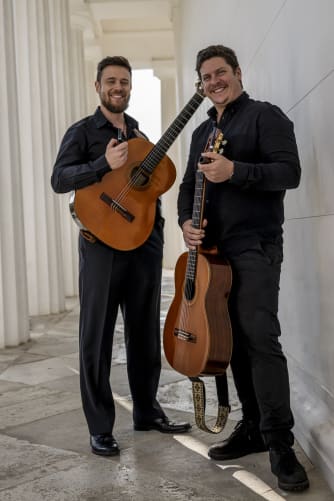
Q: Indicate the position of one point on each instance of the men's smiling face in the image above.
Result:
(114, 88)
(221, 83)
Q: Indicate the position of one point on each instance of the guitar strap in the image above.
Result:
(199, 399)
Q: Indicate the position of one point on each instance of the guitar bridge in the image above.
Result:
(185, 336)
(117, 207)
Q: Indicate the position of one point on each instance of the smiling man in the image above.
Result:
(244, 215)
(110, 279)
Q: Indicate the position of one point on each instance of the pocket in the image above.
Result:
(272, 251)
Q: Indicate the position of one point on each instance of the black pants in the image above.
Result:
(258, 364)
(131, 280)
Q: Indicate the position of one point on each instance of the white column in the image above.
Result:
(173, 235)
(37, 137)
(78, 73)
(95, 56)
(63, 92)
(83, 35)
(14, 322)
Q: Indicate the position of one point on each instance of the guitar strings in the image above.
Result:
(136, 177)
(171, 133)
(214, 143)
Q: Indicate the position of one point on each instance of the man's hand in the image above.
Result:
(116, 153)
(192, 236)
(218, 170)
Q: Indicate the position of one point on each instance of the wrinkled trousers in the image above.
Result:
(110, 280)
(258, 364)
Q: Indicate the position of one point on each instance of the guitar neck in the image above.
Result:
(197, 221)
(164, 143)
(215, 143)
(198, 205)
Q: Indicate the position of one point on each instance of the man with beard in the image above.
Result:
(244, 214)
(109, 278)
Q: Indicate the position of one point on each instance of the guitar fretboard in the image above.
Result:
(215, 143)
(167, 139)
(196, 222)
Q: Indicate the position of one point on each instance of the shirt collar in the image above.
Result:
(101, 120)
(231, 107)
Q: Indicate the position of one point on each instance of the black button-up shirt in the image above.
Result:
(81, 158)
(262, 145)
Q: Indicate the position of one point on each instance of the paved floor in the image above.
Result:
(44, 440)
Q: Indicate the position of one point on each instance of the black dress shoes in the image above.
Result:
(245, 439)
(104, 445)
(164, 425)
(290, 473)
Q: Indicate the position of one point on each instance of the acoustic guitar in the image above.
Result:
(197, 333)
(120, 209)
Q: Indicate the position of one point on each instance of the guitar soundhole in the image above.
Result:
(189, 289)
(139, 177)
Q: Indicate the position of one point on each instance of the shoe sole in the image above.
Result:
(227, 457)
(152, 428)
(294, 488)
(106, 453)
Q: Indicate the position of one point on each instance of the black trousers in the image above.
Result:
(258, 364)
(131, 280)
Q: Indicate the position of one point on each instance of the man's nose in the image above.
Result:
(214, 78)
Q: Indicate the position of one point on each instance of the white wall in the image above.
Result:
(286, 51)
(285, 48)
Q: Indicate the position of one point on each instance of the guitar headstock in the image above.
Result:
(219, 142)
(199, 88)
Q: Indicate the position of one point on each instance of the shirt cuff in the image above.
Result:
(101, 167)
(240, 174)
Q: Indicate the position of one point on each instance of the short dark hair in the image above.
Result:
(112, 61)
(216, 51)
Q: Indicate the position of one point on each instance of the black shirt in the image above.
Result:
(249, 207)
(81, 158)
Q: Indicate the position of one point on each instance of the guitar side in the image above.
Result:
(120, 209)
(197, 333)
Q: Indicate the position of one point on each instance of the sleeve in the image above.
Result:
(72, 169)
(186, 191)
(279, 166)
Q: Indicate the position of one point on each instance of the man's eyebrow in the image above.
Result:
(217, 69)
(121, 79)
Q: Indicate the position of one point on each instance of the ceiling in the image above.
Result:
(141, 30)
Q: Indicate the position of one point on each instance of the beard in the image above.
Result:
(118, 108)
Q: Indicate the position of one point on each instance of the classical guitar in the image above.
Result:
(197, 332)
(120, 209)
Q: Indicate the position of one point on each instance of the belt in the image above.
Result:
(88, 236)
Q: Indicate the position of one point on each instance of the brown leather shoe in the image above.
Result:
(164, 425)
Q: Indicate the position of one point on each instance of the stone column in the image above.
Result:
(64, 92)
(173, 235)
(37, 147)
(92, 56)
(14, 322)
(80, 24)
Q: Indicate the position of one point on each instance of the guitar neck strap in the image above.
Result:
(199, 399)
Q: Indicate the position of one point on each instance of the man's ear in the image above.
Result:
(97, 86)
(238, 73)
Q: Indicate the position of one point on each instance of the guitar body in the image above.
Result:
(135, 192)
(197, 333)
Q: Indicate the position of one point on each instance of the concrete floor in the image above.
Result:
(44, 445)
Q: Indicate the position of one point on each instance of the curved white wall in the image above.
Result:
(285, 49)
